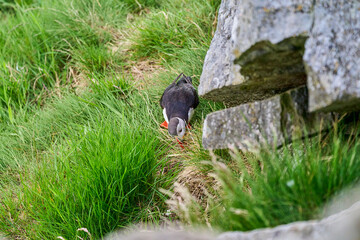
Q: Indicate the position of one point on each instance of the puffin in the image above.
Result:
(178, 103)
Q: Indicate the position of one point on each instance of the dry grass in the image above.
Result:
(190, 189)
(196, 182)
(79, 81)
(143, 72)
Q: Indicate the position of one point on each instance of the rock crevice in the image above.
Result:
(261, 49)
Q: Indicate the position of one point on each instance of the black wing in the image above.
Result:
(168, 89)
(193, 96)
(182, 91)
(196, 99)
(165, 96)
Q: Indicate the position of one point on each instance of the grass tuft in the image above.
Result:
(102, 181)
(95, 167)
(279, 186)
(182, 26)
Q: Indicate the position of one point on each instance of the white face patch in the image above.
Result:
(180, 129)
(165, 116)
(190, 114)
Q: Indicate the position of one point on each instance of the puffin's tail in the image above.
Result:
(184, 79)
(178, 78)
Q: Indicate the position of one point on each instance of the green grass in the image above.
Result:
(40, 42)
(95, 158)
(72, 161)
(139, 5)
(188, 32)
(279, 186)
(102, 181)
(90, 162)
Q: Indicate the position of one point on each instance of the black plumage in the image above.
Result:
(179, 97)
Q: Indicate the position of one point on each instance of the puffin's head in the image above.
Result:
(177, 127)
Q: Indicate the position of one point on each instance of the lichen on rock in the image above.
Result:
(332, 57)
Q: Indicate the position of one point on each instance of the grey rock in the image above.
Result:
(161, 235)
(217, 64)
(272, 121)
(243, 126)
(332, 56)
(343, 225)
(257, 50)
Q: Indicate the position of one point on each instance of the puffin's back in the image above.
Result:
(180, 92)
